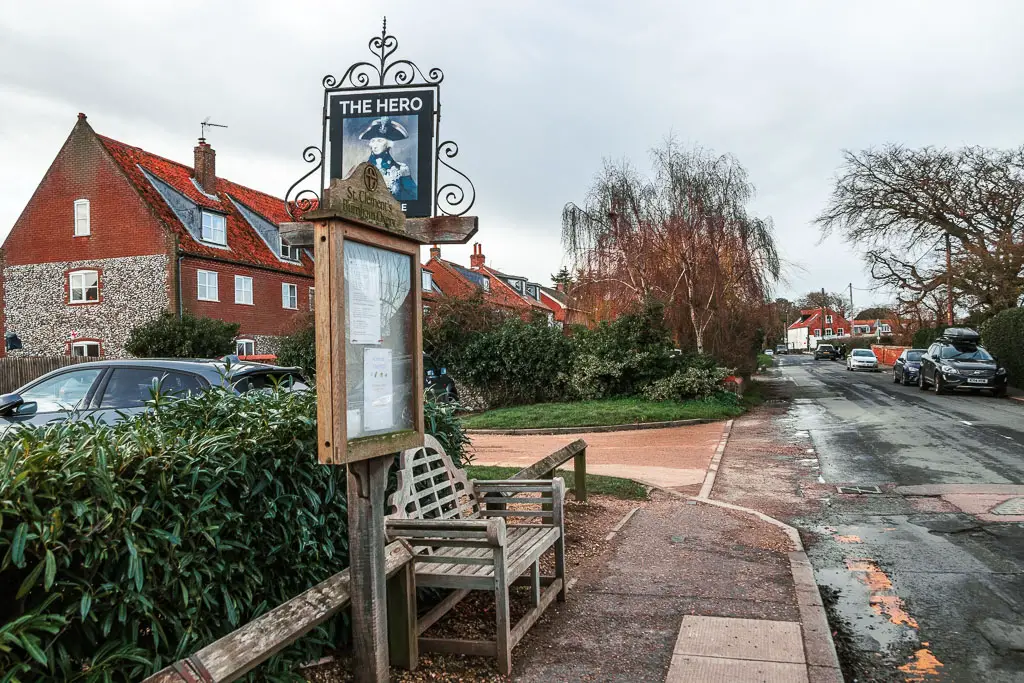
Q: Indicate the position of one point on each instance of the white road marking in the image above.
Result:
(821, 479)
(969, 424)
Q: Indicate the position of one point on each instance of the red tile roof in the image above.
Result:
(245, 245)
(504, 291)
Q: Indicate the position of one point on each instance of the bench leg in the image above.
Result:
(535, 584)
(503, 641)
(402, 633)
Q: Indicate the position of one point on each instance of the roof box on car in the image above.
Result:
(961, 334)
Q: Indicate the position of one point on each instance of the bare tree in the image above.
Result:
(684, 237)
(901, 204)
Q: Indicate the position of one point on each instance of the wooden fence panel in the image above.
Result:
(17, 372)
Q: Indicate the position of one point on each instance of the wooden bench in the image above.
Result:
(460, 540)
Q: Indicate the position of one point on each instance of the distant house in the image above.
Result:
(815, 326)
(872, 328)
(114, 235)
(512, 293)
(559, 301)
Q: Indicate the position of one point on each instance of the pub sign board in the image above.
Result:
(395, 131)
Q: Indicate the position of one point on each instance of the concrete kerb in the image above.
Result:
(819, 648)
(552, 431)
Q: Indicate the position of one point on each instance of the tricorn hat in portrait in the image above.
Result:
(386, 128)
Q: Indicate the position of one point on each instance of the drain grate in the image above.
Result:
(1014, 506)
(858, 489)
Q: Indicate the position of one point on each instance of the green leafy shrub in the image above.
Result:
(924, 337)
(517, 362)
(683, 385)
(621, 357)
(127, 547)
(187, 337)
(440, 419)
(298, 349)
(1003, 337)
(764, 361)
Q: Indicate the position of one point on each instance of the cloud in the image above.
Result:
(536, 94)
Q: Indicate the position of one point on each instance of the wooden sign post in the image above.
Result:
(369, 354)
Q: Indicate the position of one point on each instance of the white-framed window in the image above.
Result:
(245, 347)
(214, 228)
(817, 332)
(83, 286)
(207, 288)
(428, 280)
(85, 349)
(312, 298)
(243, 289)
(289, 252)
(828, 319)
(840, 332)
(289, 295)
(885, 328)
(828, 332)
(82, 227)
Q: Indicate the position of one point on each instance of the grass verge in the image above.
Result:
(626, 489)
(613, 411)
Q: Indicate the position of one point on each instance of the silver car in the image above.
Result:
(107, 390)
(862, 359)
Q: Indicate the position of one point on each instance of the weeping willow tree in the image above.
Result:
(683, 236)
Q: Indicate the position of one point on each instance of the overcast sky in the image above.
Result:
(535, 93)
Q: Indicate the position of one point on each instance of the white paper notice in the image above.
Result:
(354, 423)
(364, 301)
(378, 390)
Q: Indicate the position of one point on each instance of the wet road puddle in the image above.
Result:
(876, 618)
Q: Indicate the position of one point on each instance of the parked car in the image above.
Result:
(107, 389)
(769, 352)
(907, 366)
(826, 351)
(437, 381)
(782, 348)
(862, 359)
(958, 361)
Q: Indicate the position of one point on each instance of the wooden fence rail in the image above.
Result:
(17, 372)
(545, 469)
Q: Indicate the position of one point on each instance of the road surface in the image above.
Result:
(926, 578)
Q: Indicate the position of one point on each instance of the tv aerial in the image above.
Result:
(206, 124)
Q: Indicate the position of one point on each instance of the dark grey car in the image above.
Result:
(906, 367)
(108, 389)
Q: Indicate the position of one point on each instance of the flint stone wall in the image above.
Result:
(133, 290)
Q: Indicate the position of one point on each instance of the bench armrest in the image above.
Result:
(497, 494)
(489, 532)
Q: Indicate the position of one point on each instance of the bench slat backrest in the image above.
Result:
(431, 487)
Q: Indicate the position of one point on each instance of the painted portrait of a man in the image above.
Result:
(389, 143)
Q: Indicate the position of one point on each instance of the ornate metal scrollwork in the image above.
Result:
(305, 199)
(453, 198)
(368, 74)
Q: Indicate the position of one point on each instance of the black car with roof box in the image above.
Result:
(956, 360)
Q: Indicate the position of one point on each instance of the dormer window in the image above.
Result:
(288, 252)
(214, 228)
(828, 319)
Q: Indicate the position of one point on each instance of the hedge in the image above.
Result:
(1003, 337)
(126, 547)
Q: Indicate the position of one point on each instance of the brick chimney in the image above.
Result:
(435, 252)
(476, 259)
(205, 171)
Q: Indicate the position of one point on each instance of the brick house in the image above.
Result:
(816, 325)
(872, 328)
(447, 278)
(114, 235)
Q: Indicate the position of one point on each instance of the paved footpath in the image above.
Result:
(673, 458)
(689, 591)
